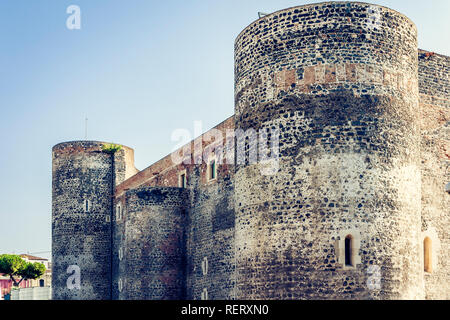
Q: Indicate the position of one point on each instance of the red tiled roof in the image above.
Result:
(30, 257)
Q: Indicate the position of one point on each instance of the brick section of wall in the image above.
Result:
(165, 172)
(151, 239)
(324, 77)
(434, 88)
(340, 80)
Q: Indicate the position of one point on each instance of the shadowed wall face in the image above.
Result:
(210, 235)
(340, 81)
(149, 247)
(434, 89)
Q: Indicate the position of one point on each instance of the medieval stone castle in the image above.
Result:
(358, 208)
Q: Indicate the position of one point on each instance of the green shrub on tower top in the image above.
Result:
(111, 148)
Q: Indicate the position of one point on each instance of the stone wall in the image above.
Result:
(434, 89)
(209, 224)
(210, 232)
(149, 244)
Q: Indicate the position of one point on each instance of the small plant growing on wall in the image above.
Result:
(111, 148)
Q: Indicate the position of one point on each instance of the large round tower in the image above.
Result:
(341, 217)
(84, 177)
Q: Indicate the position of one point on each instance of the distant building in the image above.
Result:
(46, 279)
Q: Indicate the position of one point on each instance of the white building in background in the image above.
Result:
(46, 279)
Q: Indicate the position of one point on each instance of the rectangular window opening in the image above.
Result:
(183, 180)
(348, 252)
(118, 212)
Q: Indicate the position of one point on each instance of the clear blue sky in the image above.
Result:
(137, 69)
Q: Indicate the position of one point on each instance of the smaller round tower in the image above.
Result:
(84, 177)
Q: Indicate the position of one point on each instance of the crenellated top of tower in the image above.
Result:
(326, 11)
(85, 145)
(123, 155)
(325, 48)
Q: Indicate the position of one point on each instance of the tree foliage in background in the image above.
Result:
(15, 267)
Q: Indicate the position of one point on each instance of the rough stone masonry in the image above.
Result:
(357, 209)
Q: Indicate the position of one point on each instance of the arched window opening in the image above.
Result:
(348, 250)
(427, 254)
(87, 206)
(212, 170)
(120, 254)
(119, 212)
(205, 266)
(120, 285)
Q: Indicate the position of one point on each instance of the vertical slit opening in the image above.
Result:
(348, 251)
